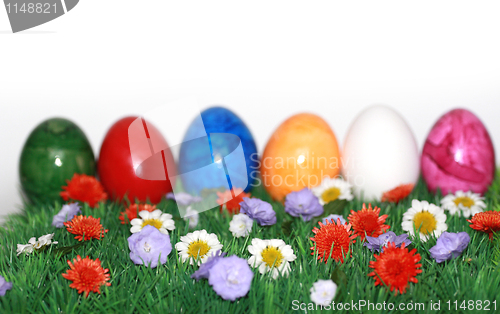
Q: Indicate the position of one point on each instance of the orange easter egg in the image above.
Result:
(299, 154)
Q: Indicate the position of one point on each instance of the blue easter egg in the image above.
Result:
(218, 150)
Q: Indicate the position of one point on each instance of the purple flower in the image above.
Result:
(231, 277)
(303, 203)
(204, 269)
(334, 217)
(378, 243)
(67, 212)
(258, 210)
(148, 245)
(4, 286)
(184, 199)
(449, 245)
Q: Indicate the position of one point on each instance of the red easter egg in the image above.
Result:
(135, 161)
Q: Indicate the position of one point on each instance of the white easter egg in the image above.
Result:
(379, 153)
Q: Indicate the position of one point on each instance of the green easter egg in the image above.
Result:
(55, 150)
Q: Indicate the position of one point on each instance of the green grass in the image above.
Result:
(38, 286)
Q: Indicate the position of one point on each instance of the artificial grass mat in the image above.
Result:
(38, 286)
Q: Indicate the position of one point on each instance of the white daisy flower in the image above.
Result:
(26, 248)
(332, 189)
(44, 240)
(271, 256)
(156, 218)
(241, 225)
(465, 204)
(34, 245)
(424, 218)
(323, 291)
(198, 246)
(192, 216)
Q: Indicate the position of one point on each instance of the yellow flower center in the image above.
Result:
(272, 256)
(465, 201)
(425, 221)
(330, 194)
(152, 222)
(198, 249)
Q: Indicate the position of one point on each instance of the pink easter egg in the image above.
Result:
(458, 154)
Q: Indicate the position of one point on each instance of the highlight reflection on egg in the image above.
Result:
(128, 167)
(380, 153)
(458, 154)
(228, 143)
(55, 150)
(301, 151)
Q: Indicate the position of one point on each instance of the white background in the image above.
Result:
(265, 60)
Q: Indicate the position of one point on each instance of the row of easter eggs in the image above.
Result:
(380, 153)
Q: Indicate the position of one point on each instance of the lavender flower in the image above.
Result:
(378, 243)
(258, 210)
(148, 245)
(303, 203)
(334, 217)
(184, 199)
(231, 277)
(449, 245)
(204, 269)
(4, 286)
(67, 212)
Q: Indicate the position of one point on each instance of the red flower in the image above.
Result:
(332, 234)
(88, 227)
(395, 267)
(87, 275)
(367, 222)
(85, 189)
(232, 203)
(398, 193)
(488, 222)
(133, 211)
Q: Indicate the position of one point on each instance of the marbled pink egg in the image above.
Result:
(458, 154)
